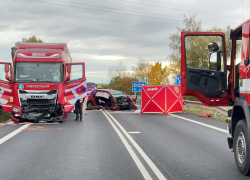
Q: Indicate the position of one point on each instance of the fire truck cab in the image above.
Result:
(208, 74)
(43, 84)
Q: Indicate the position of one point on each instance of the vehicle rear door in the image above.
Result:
(75, 85)
(203, 67)
(6, 86)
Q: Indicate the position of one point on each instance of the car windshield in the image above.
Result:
(38, 72)
(118, 94)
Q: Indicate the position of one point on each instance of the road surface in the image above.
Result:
(118, 145)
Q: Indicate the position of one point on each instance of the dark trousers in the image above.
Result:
(78, 108)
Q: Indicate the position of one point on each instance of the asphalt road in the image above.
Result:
(118, 145)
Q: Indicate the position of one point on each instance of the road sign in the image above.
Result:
(178, 79)
(99, 86)
(136, 86)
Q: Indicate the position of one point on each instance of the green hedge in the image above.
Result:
(4, 118)
(190, 98)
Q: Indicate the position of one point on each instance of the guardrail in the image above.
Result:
(222, 110)
(134, 96)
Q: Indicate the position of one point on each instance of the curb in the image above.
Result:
(8, 122)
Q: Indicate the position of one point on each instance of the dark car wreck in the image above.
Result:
(110, 99)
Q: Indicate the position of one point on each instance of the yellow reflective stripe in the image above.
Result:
(234, 73)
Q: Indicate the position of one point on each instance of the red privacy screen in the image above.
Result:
(161, 99)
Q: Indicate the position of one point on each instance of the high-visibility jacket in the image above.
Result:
(81, 100)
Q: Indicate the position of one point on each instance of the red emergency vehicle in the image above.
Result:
(42, 84)
(207, 74)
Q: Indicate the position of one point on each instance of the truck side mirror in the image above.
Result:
(68, 71)
(215, 61)
(213, 47)
(7, 69)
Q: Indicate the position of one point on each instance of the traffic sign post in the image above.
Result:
(136, 86)
(178, 79)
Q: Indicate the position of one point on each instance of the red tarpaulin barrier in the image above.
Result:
(161, 99)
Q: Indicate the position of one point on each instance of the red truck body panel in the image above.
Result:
(187, 92)
(244, 69)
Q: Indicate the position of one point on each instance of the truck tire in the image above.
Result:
(241, 148)
(89, 105)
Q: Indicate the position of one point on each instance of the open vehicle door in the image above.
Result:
(75, 85)
(6, 86)
(203, 67)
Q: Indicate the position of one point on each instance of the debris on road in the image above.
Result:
(206, 115)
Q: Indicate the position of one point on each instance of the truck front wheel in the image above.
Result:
(241, 148)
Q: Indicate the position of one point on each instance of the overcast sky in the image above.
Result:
(101, 38)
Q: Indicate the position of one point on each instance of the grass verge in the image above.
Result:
(197, 111)
(4, 118)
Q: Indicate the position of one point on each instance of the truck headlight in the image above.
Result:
(16, 109)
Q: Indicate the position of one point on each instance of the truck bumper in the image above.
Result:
(15, 120)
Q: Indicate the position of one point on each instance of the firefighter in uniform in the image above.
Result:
(78, 109)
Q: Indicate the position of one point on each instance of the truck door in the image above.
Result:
(75, 85)
(203, 67)
(6, 92)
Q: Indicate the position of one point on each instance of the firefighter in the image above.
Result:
(78, 109)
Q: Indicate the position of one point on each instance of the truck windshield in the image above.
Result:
(38, 72)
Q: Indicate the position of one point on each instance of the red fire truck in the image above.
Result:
(43, 84)
(207, 74)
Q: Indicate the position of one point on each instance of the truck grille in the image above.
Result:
(39, 101)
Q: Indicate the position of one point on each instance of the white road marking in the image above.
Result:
(202, 124)
(143, 154)
(130, 150)
(135, 132)
(5, 138)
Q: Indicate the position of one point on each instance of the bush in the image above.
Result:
(4, 118)
(190, 98)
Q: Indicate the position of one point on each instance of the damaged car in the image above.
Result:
(110, 100)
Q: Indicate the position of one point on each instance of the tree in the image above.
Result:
(31, 39)
(227, 31)
(118, 70)
(111, 71)
(158, 75)
(114, 82)
(122, 84)
(141, 70)
(125, 84)
(196, 48)
(175, 46)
